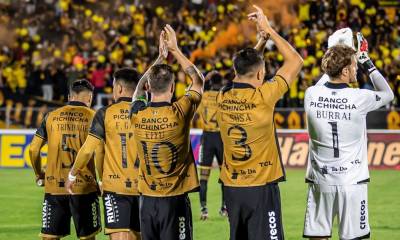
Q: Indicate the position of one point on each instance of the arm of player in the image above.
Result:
(260, 47)
(292, 60)
(189, 68)
(82, 159)
(140, 92)
(99, 160)
(36, 161)
(383, 93)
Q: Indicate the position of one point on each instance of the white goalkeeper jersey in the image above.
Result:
(336, 117)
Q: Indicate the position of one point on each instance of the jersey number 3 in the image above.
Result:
(242, 143)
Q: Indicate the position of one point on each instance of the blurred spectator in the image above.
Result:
(90, 39)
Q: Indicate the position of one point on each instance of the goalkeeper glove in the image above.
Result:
(362, 54)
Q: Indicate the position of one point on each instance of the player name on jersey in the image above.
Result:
(331, 104)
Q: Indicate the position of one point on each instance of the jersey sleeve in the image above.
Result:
(273, 90)
(97, 129)
(372, 100)
(188, 104)
(41, 131)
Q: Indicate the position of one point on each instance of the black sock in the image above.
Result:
(203, 193)
(223, 196)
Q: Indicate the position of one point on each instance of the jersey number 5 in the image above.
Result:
(335, 139)
(65, 148)
(242, 143)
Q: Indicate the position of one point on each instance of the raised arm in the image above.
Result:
(379, 82)
(263, 38)
(292, 60)
(189, 68)
(162, 55)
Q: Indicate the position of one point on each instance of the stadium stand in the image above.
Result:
(48, 43)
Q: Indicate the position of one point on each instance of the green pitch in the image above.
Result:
(20, 207)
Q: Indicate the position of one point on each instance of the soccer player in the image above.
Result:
(252, 166)
(64, 130)
(111, 127)
(211, 142)
(167, 171)
(337, 170)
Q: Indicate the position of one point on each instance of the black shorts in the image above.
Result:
(211, 146)
(254, 212)
(121, 212)
(58, 209)
(166, 218)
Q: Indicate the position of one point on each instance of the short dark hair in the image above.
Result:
(336, 58)
(215, 82)
(80, 85)
(160, 77)
(246, 61)
(128, 76)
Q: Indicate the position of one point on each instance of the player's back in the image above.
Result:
(65, 130)
(208, 111)
(162, 134)
(245, 117)
(120, 166)
(336, 117)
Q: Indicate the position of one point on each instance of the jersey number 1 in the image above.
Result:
(124, 138)
(335, 139)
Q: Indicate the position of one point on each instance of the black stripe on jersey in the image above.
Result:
(97, 128)
(364, 181)
(193, 91)
(283, 178)
(95, 136)
(41, 131)
(137, 106)
(309, 181)
(284, 80)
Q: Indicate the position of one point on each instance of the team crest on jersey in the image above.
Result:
(377, 98)
(155, 112)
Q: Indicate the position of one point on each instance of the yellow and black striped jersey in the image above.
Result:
(162, 134)
(245, 117)
(207, 111)
(120, 168)
(65, 130)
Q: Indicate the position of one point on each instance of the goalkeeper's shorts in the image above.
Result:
(348, 202)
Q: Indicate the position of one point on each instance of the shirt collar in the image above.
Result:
(159, 104)
(336, 85)
(125, 99)
(241, 85)
(76, 103)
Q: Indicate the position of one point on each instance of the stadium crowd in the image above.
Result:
(52, 42)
